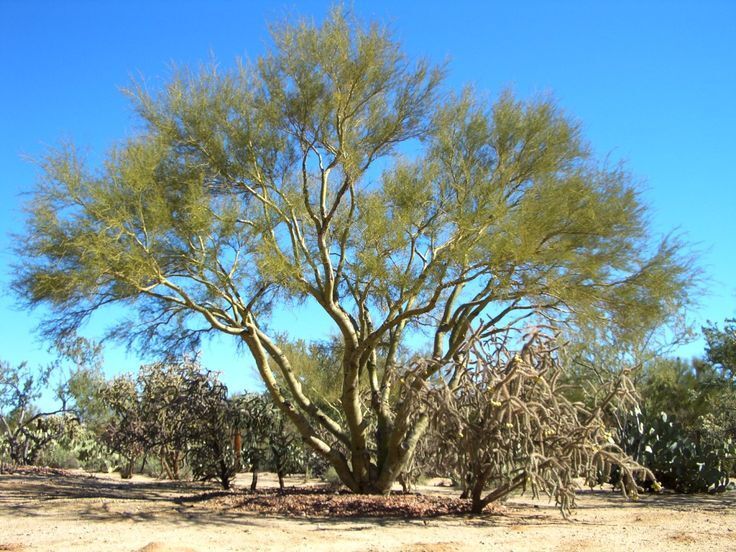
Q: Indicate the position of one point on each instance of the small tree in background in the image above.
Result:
(177, 411)
(286, 446)
(174, 401)
(685, 431)
(269, 439)
(720, 349)
(214, 449)
(257, 427)
(25, 430)
(88, 444)
(125, 431)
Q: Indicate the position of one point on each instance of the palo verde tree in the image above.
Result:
(336, 171)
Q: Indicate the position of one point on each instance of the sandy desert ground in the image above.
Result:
(103, 513)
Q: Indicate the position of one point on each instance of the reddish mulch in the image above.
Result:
(325, 503)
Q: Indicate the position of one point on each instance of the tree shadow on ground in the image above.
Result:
(26, 487)
(94, 499)
(715, 502)
(90, 498)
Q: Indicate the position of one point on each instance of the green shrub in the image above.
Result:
(686, 432)
(89, 451)
(684, 459)
(59, 456)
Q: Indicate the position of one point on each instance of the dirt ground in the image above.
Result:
(103, 513)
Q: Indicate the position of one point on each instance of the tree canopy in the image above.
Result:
(720, 347)
(336, 170)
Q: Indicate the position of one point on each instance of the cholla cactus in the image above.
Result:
(506, 424)
(177, 411)
(268, 438)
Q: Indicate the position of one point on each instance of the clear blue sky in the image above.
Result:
(653, 83)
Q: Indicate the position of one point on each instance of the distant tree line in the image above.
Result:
(176, 418)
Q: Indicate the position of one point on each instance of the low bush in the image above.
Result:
(686, 459)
